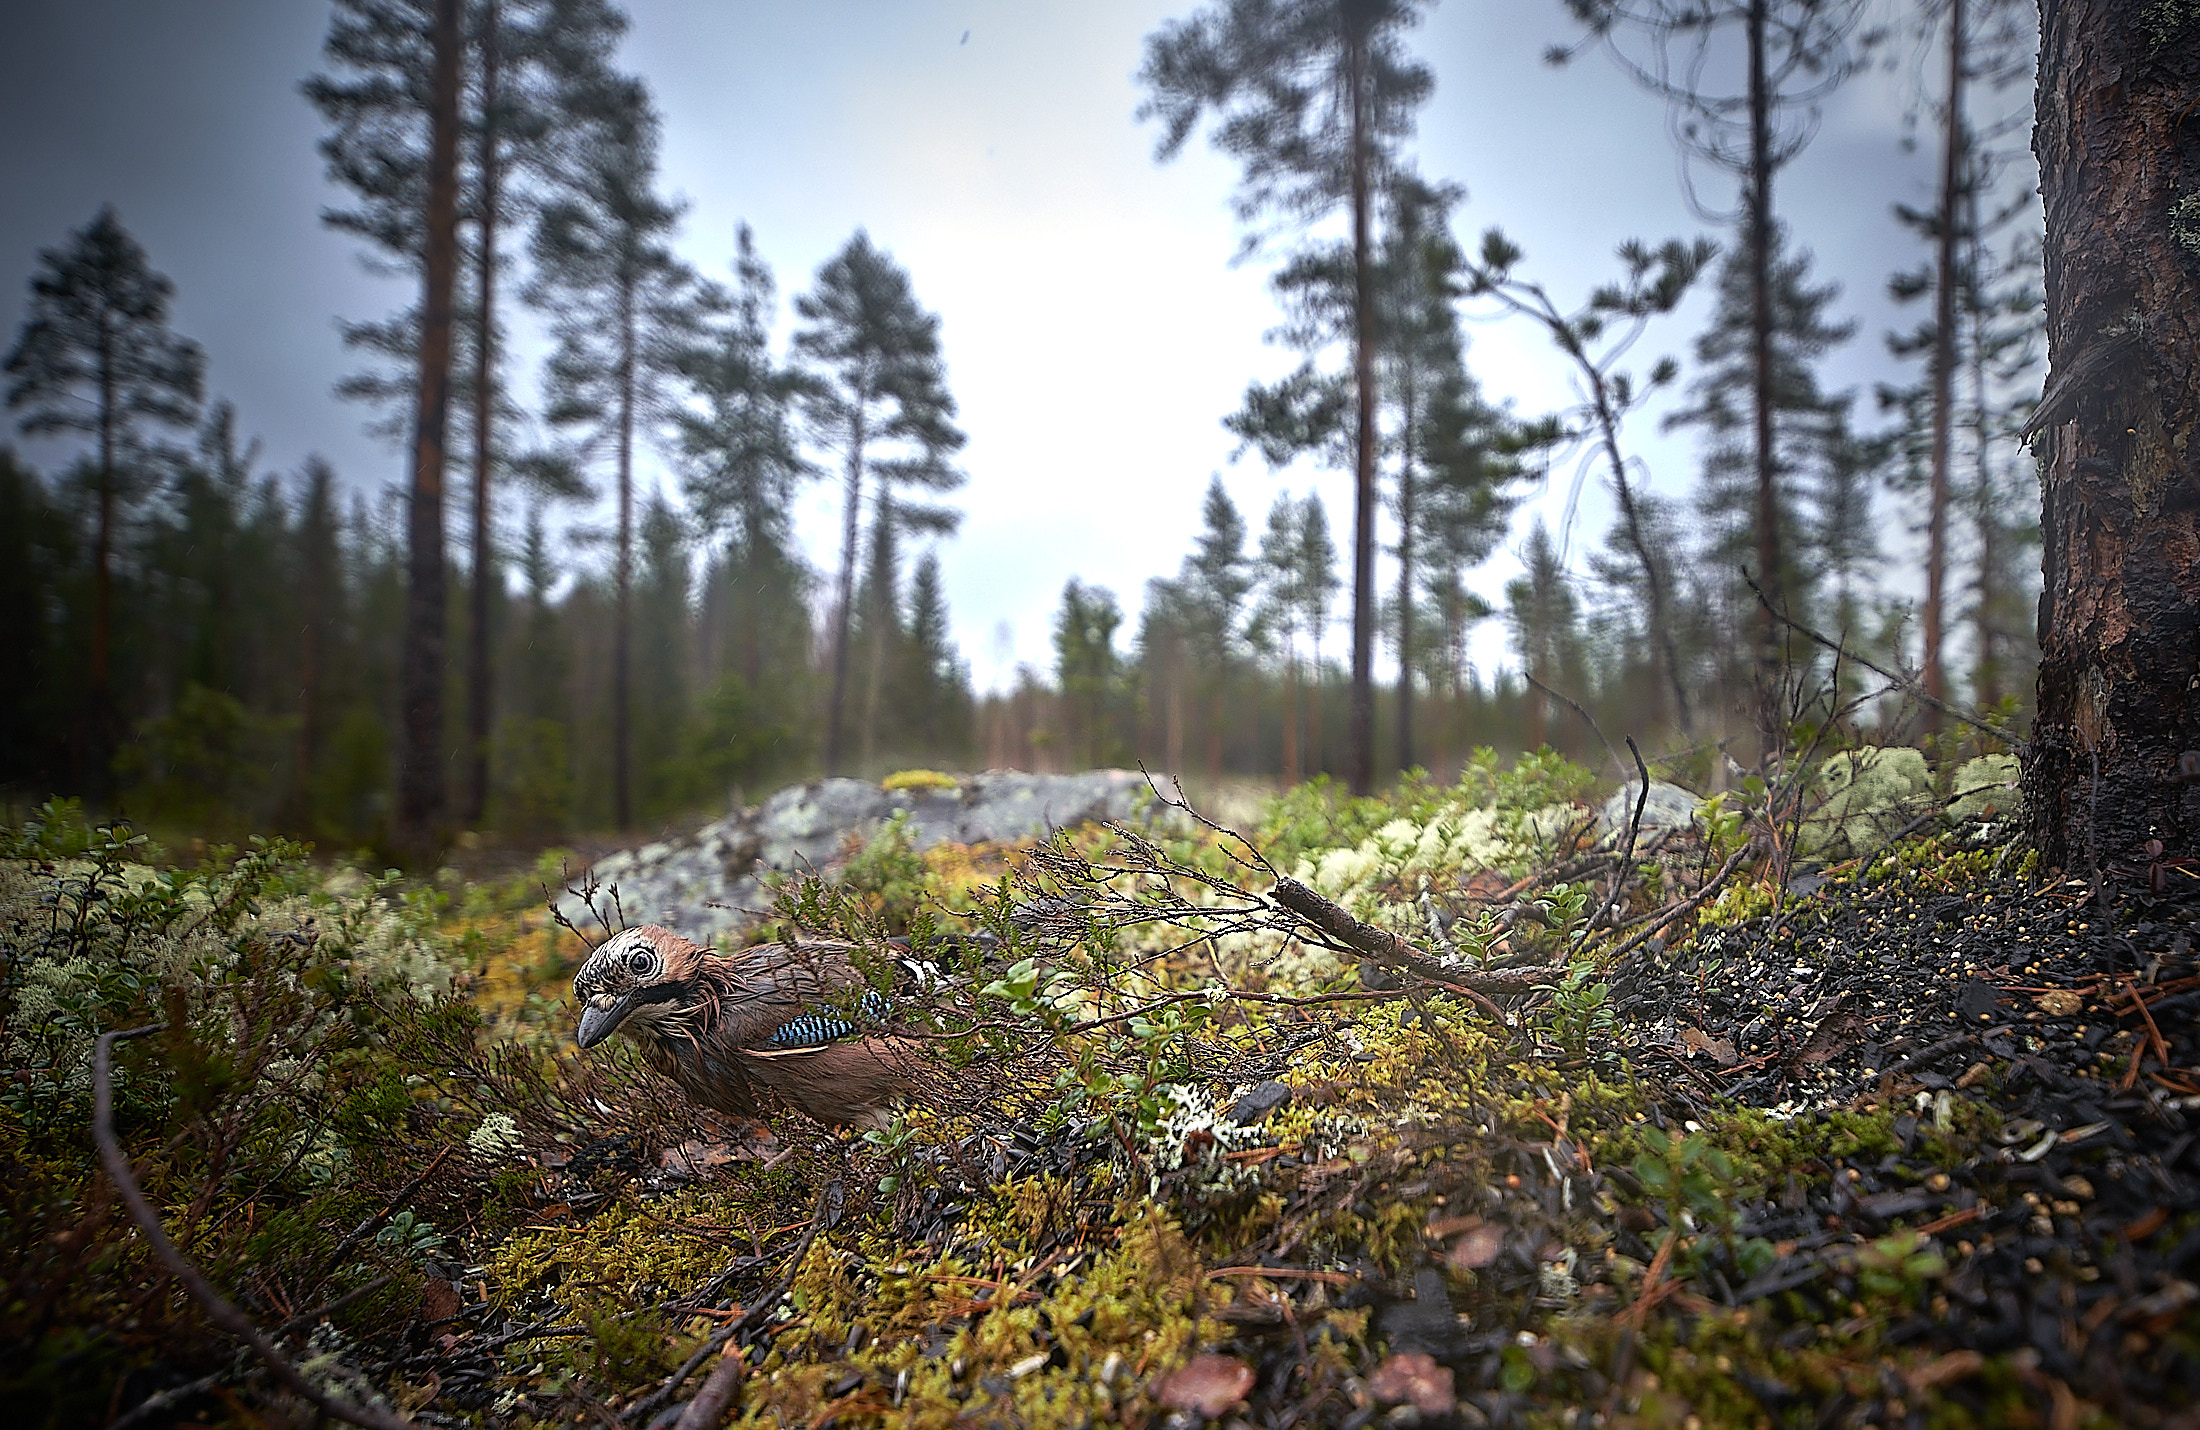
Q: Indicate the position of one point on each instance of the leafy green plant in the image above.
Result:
(1580, 1016)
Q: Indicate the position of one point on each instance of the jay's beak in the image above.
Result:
(599, 1023)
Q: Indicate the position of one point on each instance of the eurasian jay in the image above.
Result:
(748, 1031)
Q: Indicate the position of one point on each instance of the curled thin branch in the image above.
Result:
(219, 1309)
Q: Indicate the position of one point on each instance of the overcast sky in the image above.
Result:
(1095, 327)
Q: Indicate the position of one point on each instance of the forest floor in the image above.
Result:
(1906, 1142)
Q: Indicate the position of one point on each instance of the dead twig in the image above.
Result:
(1906, 683)
(1386, 948)
(219, 1309)
(710, 1402)
(1686, 906)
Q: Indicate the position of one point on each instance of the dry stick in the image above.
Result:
(373, 1223)
(161, 1400)
(1391, 951)
(219, 1309)
(1604, 915)
(709, 1405)
(1685, 906)
(1908, 684)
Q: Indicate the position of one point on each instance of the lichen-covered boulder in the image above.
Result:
(704, 884)
(1986, 788)
(1862, 798)
(1668, 807)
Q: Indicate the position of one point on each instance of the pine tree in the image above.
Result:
(1213, 586)
(96, 357)
(627, 313)
(394, 116)
(935, 689)
(1313, 97)
(1821, 522)
(1794, 54)
(1087, 668)
(1546, 629)
(740, 468)
(1987, 45)
(876, 381)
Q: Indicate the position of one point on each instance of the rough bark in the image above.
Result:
(1362, 759)
(478, 645)
(2119, 689)
(420, 798)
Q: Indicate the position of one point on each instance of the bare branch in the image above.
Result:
(219, 1309)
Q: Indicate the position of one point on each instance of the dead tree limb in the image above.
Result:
(219, 1309)
(1386, 948)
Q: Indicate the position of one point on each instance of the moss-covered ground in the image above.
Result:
(1677, 1190)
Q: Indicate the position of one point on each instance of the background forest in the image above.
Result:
(530, 639)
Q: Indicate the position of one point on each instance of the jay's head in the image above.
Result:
(633, 979)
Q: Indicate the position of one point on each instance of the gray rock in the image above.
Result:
(712, 881)
(1668, 807)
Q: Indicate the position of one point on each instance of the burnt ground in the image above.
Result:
(2070, 1234)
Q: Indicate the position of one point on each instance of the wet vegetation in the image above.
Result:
(1903, 1139)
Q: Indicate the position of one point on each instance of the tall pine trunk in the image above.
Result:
(1944, 376)
(851, 517)
(478, 652)
(2119, 690)
(1291, 720)
(420, 795)
(1769, 558)
(1986, 689)
(97, 749)
(1406, 533)
(622, 625)
(1362, 759)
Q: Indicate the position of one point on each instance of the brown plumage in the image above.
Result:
(746, 1033)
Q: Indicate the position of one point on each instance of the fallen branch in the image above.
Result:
(1386, 948)
(219, 1309)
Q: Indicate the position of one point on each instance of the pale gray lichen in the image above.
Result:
(2184, 222)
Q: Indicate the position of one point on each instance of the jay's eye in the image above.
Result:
(639, 962)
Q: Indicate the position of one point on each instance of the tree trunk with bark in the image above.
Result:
(2109, 765)
(1945, 283)
(1770, 574)
(1361, 765)
(420, 795)
(622, 625)
(851, 517)
(478, 645)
